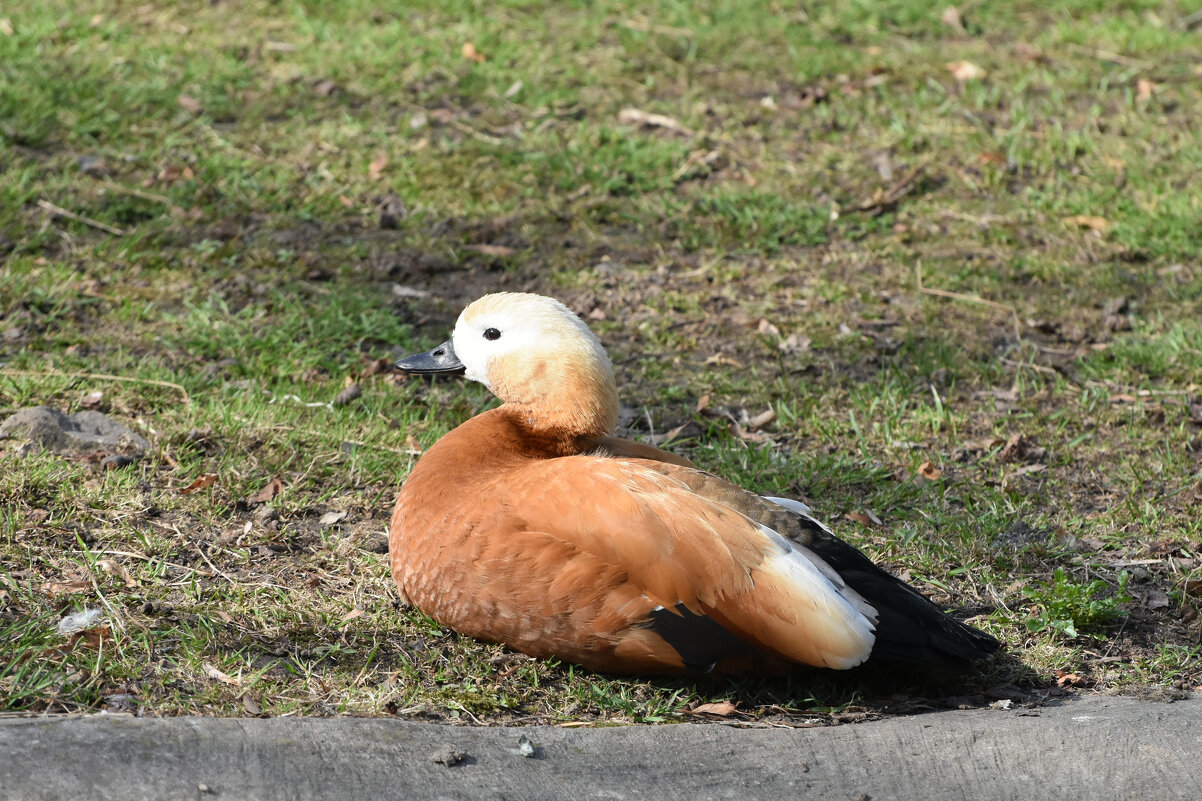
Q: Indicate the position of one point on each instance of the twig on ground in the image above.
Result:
(101, 377)
(943, 293)
(59, 211)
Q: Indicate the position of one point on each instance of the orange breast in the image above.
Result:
(604, 561)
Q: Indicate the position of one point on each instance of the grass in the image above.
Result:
(1035, 414)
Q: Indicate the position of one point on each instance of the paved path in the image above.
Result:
(1089, 748)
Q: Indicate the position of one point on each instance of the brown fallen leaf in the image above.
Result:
(325, 88)
(748, 436)
(213, 673)
(702, 403)
(379, 366)
(91, 400)
(118, 570)
(53, 588)
(273, 488)
(376, 168)
(251, 705)
(964, 71)
(349, 394)
(91, 638)
(1193, 586)
(760, 420)
(1013, 448)
(859, 517)
(190, 104)
(1144, 89)
(351, 615)
(472, 54)
(1089, 221)
(929, 471)
(721, 709)
(1066, 679)
(206, 480)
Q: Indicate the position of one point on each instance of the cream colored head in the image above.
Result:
(541, 359)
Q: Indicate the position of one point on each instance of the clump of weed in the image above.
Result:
(1069, 608)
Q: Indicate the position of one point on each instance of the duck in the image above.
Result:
(534, 526)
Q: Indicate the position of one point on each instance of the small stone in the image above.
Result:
(79, 433)
(447, 755)
(330, 518)
(265, 514)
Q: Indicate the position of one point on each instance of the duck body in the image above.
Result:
(532, 526)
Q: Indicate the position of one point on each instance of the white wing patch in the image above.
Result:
(845, 621)
(799, 508)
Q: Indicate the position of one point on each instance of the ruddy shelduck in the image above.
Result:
(532, 525)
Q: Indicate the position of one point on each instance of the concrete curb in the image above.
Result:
(1091, 748)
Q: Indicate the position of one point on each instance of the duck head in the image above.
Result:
(538, 357)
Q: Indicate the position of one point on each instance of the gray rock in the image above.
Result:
(79, 433)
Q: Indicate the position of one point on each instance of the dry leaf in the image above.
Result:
(325, 88)
(472, 54)
(330, 518)
(633, 116)
(765, 327)
(91, 400)
(513, 89)
(118, 570)
(213, 673)
(273, 488)
(376, 168)
(1066, 679)
(251, 705)
(207, 480)
(702, 403)
(721, 709)
(1157, 599)
(760, 420)
(53, 588)
(490, 250)
(951, 18)
(859, 517)
(190, 104)
(929, 471)
(6, 26)
(351, 615)
(1013, 447)
(1144, 89)
(379, 366)
(964, 71)
(349, 394)
(1092, 222)
(1193, 586)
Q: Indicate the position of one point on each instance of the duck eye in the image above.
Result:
(492, 333)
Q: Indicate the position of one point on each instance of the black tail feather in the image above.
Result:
(909, 627)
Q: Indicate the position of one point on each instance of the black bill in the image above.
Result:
(440, 360)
